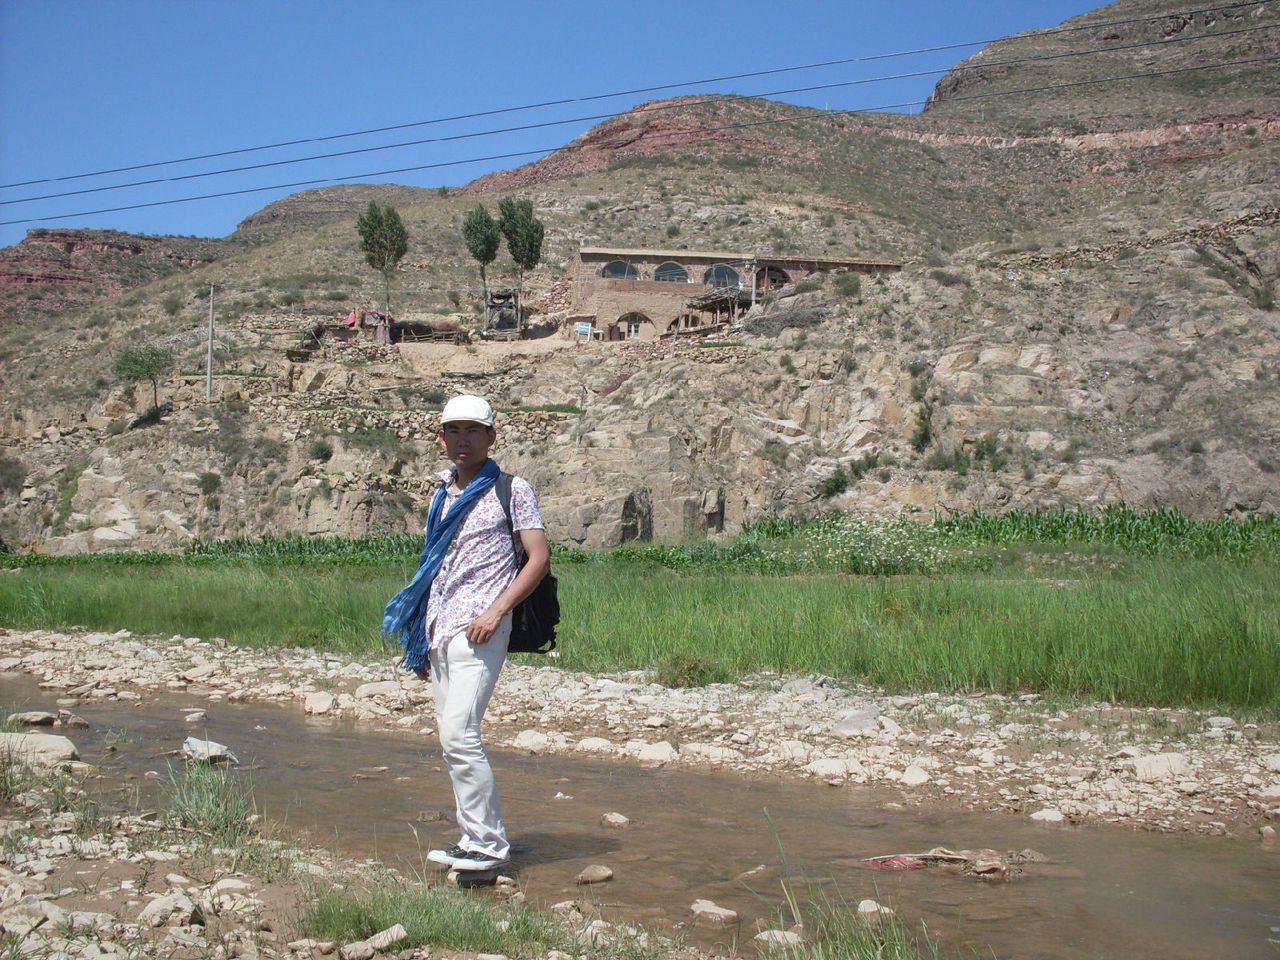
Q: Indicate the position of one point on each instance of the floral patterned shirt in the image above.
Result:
(481, 560)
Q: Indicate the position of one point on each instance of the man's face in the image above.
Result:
(466, 442)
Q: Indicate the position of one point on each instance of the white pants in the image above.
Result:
(463, 675)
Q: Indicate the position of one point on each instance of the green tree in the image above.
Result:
(384, 242)
(482, 236)
(147, 362)
(524, 234)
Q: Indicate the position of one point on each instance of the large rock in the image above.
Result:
(380, 688)
(1160, 766)
(318, 702)
(40, 751)
(660, 752)
(175, 908)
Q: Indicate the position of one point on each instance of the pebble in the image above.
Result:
(709, 912)
(870, 910)
(777, 938)
(596, 873)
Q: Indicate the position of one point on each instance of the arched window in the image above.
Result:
(722, 277)
(619, 270)
(672, 272)
(632, 325)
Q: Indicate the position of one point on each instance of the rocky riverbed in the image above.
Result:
(1151, 769)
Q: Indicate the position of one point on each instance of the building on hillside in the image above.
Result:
(623, 294)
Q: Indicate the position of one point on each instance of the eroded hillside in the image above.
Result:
(1086, 316)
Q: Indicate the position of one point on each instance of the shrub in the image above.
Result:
(957, 461)
(683, 669)
(808, 285)
(210, 482)
(320, 450)
(172, 304)
(860, 466)
(775, 451)
(987, 447)
(12, 474)
(946, 278)
(379, 439)
(148, 419)
(835, 484)
(923, 433)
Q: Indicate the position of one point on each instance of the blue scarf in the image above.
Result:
(406, 615)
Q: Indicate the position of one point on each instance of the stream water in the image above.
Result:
(1101, 892)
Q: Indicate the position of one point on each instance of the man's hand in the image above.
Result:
(483, 627)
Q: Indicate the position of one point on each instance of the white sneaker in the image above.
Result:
(446, 857)
(474, 860)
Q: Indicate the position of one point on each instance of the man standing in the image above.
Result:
(454, 618)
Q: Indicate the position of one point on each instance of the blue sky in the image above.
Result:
(90, 85)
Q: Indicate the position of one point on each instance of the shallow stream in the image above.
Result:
(1101, 892)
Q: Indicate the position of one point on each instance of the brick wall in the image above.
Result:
(608, 299)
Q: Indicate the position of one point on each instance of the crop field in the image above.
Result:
(1139, 608)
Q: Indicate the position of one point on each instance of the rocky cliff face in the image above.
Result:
(1045, 379)
(83, 257)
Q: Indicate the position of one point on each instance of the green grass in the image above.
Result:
(216, 806)
(431, 915)
(1144, 609)
(213, 801)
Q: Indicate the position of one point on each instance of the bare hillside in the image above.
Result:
(1086, 315)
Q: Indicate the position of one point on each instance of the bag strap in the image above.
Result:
(502, 487)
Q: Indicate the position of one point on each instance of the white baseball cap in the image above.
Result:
(467, 407)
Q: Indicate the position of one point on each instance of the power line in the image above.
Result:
(1053, 31)
(693, 103)
(824, 116)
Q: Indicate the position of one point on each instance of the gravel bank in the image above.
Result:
(1156, 769)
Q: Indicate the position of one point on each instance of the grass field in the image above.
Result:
(1144, 609)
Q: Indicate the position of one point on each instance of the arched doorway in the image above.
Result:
(770, 278)
(636, 326)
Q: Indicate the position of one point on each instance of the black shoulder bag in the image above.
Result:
(533, 621)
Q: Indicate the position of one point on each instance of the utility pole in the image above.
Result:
(208, 372)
